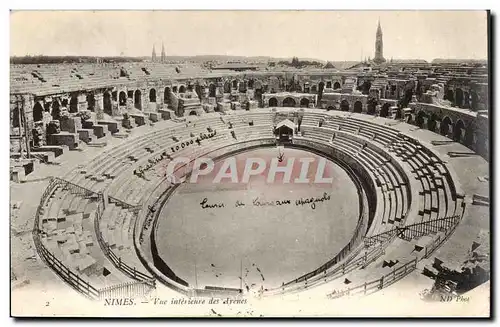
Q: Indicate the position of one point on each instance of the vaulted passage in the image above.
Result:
(107, 103)
(289, 102)
(344, 105)
(137, 100)
(358, 107)
(273, 102)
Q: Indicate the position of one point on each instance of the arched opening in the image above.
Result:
(458, 131)
(243, 86)
(330, 108)
(469, 136)
(166, 95)
(152, 95)
(450, 97)
(371, 106)
(289, 102)
(445, 126)
(384, 111)
(358, 107)
(304, 103)
(431, 122)
(466, 100)
(73, 103)
(365, 87)
(90, 101)
(336, 85)
(137, 100)
(273, 102)
(37, 112)
(106, 101)
(15, 117)
(122, 98)
(199, 91)
(192, 113)
(235, 85)
(56, 110)
(419, 121)
(175, 89)
(329, 85)
(344, 105)
(321, 87)
(227, 87)
(459, 98)
(182, 89)
(212, 91)
(474, 100)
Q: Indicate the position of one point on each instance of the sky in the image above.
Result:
(325, 35)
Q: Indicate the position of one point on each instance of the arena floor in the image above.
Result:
(264, 245)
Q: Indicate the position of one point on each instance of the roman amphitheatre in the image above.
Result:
(94, 213)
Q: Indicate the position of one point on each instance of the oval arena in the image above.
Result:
(344, 182)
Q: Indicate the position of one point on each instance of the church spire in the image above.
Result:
(379, 46)
(153, 55)
(163, 56)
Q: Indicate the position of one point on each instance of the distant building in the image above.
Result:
(379, 46)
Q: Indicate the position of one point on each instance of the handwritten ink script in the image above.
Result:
(258, 202)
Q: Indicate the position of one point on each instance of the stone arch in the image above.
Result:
(175, 89)
(474, 100)
(358, 107)
(106, 102)
(152, 95)
(15, 117)
(304, 103)
(73, 103)
(469, 136)
(199, 90)
(371, 106)
(321, 88)
(344, 105)
(166, 95)
(432, 122)
(329, 84)
(289, 102)
(450, 96)
(419, 120)
(384, 111)
(459, 97)
(56, 109)
(336, 85)
(90, 101)
(37, 112)
(227, 87)
(234, 84)
(193, 113)
(212, 91)
(458, 131)
(122, 98)
(273, 102)
(182, 89)
(137, 100)
(242, 86)
(466, 100)
(445, 126)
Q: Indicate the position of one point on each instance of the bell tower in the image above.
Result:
(379, 46)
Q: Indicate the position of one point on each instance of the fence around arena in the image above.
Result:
(415, 230)
(142, 286)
